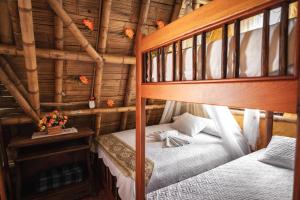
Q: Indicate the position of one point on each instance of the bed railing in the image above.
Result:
(156, 48)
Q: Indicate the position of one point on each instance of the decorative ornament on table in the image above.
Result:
(110, 103)
(53, 122)
(88, 24)
(160, 24)
(92, 103)
(129, 33)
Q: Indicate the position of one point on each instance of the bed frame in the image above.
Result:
(280, 93)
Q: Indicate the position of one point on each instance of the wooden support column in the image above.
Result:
(132, 70)
(68, 55)
(86, 46)
(13, 76)
(59, 63)
(105, 15)
(26, 21)
(12, 89)
(140, 127)
(296, 193)
(15, 20)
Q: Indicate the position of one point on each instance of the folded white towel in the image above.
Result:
(171, 133)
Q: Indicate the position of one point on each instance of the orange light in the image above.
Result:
(84, 80)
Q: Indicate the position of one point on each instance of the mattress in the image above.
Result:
(171, 165)
(244, 178)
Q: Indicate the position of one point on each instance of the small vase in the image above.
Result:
(54, 130)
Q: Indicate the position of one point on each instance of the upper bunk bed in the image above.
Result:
(266, 91)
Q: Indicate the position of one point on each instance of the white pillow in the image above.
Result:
(189, 124)
(211, 127)
(280, 152)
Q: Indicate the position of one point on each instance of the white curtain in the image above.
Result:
(251, 126)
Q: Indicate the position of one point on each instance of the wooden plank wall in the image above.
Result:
(124, 14)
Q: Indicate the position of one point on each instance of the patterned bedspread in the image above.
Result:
(244, 178)
(123, 155)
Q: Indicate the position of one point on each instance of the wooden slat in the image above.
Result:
(283, 39)
(174, 61)
(145, 66)
(203, 55)
(224, 51)
(180, 60)
(207, 17)
(269, 127)
(151, 67)
(237, 31)
(158, 64)
(195, 57)
(265, 44)
(252, 94)
(163, 63)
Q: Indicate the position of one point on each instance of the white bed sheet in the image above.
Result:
(244, 178)
(171, 164)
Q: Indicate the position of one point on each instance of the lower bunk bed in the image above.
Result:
(164, 166)
(266, 174)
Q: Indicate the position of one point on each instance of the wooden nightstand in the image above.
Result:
(31, 156)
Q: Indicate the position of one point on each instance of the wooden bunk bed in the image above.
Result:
(277, 93)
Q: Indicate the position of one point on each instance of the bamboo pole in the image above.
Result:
(68, 55)
(86, 46)
(13, 76)
(132, 70)
(82, 112)
(15, 20)
(6, 35)
(18, 96)
(60, 104)
(102, 37)
(176, 10)
(59, 63)
(26, 21)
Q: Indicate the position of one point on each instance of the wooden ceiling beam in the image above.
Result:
(26, 22)
(12, 89)
(15, 20)
(68, 55)
(59, 63)
(132, 69)
(102, 42)
(83, 112)
(13, 76)
(6, 35)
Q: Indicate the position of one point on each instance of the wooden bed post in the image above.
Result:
(296, 195)
(140, 126)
